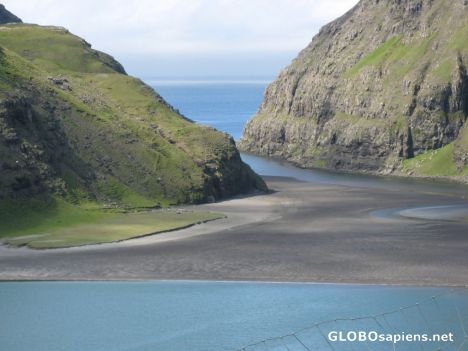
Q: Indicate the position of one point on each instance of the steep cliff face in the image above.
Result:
(73, 124)
(382, 84)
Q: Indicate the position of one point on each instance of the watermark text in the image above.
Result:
(373, 336)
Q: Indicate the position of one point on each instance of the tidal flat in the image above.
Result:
(301, 232)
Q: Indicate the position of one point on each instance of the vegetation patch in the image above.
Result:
(54, 48)
(438, 162)
(122, 194)
(54, 223)
(319, 163)
(377, 56)
(444, 70)
(393, 51)
(458, 40)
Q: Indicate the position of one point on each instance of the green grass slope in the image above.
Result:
(56, 223)
(75, 128)
(448, 161)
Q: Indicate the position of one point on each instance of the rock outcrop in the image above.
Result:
(385, 83)
(7, 17)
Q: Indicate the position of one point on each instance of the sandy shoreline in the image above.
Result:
(303, 232)
(239, 214)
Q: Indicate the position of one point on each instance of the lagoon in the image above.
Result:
(202, 316)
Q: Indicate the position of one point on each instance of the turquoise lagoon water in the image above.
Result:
(206, 316)
(198, 316)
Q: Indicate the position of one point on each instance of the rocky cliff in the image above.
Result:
(7, 17)
(383, 88)
(74, 124)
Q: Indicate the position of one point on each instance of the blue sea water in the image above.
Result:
(225, 105)
(205, 316)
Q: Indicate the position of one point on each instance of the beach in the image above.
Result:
(300, 232)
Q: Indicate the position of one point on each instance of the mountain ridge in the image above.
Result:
(73, 124)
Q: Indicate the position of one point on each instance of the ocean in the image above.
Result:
(225, 105)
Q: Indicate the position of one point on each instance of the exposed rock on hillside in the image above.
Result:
(385, 83)
(73, 123)
(7, 17)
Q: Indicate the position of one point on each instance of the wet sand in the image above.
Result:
(306, 232)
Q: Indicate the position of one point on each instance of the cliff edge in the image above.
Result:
(382, 89)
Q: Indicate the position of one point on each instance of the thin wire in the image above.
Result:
(300, 342)
(326, 339)
(284, 343)
(401, 310)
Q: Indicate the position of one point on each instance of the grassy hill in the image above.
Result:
(76, 129)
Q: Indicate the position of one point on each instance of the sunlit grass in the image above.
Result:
(54, 223)
(433, 163)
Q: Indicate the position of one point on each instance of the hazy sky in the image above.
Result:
(156, 38)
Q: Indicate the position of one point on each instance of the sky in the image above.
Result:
(190, 38)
